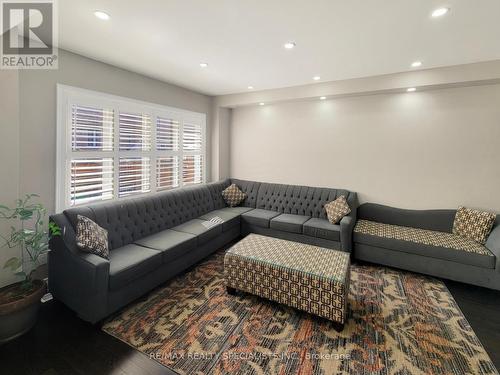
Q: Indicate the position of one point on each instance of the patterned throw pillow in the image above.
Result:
(473, 224)
(337, 209)
(233, 195)
(91, 238)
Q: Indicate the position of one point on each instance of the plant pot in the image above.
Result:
(19, 315)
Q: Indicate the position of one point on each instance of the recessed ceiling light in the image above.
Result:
(322, 98)
(102, 15)
(411, 89)
(316, 78)
(416, 64)
(289, 45)
(203, 65)
(440, 12)
(261, 103)
(250, 87)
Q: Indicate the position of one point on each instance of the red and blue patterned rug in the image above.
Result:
(399, 323)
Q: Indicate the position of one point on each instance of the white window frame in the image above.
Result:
(67, 96)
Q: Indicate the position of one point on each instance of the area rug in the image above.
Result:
(399, 323)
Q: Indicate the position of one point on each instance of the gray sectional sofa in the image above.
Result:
(155, 237)
(422, 241)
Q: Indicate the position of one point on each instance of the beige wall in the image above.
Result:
(38, 111)
(28, 115)
(429, 149)
(9, 155)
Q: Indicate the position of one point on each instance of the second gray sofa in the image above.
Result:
(422, 241)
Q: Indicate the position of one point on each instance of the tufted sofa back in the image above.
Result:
(131, 219)
(250, 188)
(216, 189)
(300, 200)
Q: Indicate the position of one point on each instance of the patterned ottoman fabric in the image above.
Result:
(422, 236)
(309, 278)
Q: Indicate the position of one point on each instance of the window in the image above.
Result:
(110, 147)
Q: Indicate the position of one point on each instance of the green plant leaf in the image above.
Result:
(54, 229)
(13, 263)
(27, 232)
(25, 214)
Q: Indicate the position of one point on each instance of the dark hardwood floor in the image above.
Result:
(61, 343)
(481, 307)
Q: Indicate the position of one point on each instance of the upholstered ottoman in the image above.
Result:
(306, 277)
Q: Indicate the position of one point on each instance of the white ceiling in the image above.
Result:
(242, 40)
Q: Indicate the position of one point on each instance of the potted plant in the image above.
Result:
(20, 302)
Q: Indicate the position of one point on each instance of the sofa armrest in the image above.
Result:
(78, 279)
(348, 222)
(346, 227)
(493, 245)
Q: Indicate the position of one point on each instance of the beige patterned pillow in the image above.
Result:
(233, 195)
(473, 224)
(91, 238)
(337, 209)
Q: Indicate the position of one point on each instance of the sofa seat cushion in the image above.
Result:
(131, 262)
(441, 245)
(202, 229)
(230, 216)
(322, 228)
(259, 217)
(288, 222)
(171, 243)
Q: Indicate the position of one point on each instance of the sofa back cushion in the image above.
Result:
(300, 200)
(250, 188)
(438, 220)
(193, 202)
(131, 219)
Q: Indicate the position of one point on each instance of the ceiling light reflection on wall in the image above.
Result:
(322, 98)
(102, 15)
(411, 89)
(439, 12)
(289, 45)
(250, 87)
(316, 78)
(203, 65)
(261, 103)
(416, 64)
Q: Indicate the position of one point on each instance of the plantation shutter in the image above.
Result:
(134, 176)
(91, 128)
(192, 160)
(111, 147)
(134, 172)
(167, 134)
(192, 169)
(135, 132)
(192, 137)
(91, 180)
(167, 172)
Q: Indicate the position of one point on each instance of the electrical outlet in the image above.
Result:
(46, 297)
